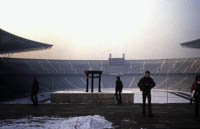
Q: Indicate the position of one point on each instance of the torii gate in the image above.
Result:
(92, 72)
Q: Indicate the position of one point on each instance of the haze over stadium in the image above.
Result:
(77, 64)
(90, 29)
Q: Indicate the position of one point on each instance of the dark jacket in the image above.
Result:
(146, 84)
(35, 88)
(197, 86)
(119, 85)
(197, 90)
(194, 85)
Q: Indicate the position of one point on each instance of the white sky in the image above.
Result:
(91, 29)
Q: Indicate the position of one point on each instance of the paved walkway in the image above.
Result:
(166, 116)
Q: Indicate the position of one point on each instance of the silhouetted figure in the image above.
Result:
(118, 90)
(35, 90)
(197, 95)
(192, 99)
(146, 84)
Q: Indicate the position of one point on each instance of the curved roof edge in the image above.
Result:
(192, 44)
(10, 43)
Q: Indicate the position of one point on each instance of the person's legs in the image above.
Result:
(196, 106)
(120, 98)
(149, 103)
(192, 97)
(32, 98)
(144, 103)
(116, 94)
(36, 100)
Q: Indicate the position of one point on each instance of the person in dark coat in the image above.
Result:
(193, 90)
(197, 95)
(35, 90)
(118, 90)
(145, 84)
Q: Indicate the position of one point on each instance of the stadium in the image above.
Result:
(86, 64)
(174, 76)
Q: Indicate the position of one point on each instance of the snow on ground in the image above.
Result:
(82, 122)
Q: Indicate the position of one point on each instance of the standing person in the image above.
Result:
(145, 84)
(118, 90)
(35, 90)
(193, 90)
(197, 95)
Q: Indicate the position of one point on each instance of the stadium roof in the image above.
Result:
(192, 44)
(10, 43)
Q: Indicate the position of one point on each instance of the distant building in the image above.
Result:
(116, 61)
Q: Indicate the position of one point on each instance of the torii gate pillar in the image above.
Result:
(91, 74)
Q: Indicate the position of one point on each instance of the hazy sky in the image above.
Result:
(91, 29)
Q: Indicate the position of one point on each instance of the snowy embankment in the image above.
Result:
(82, 122)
